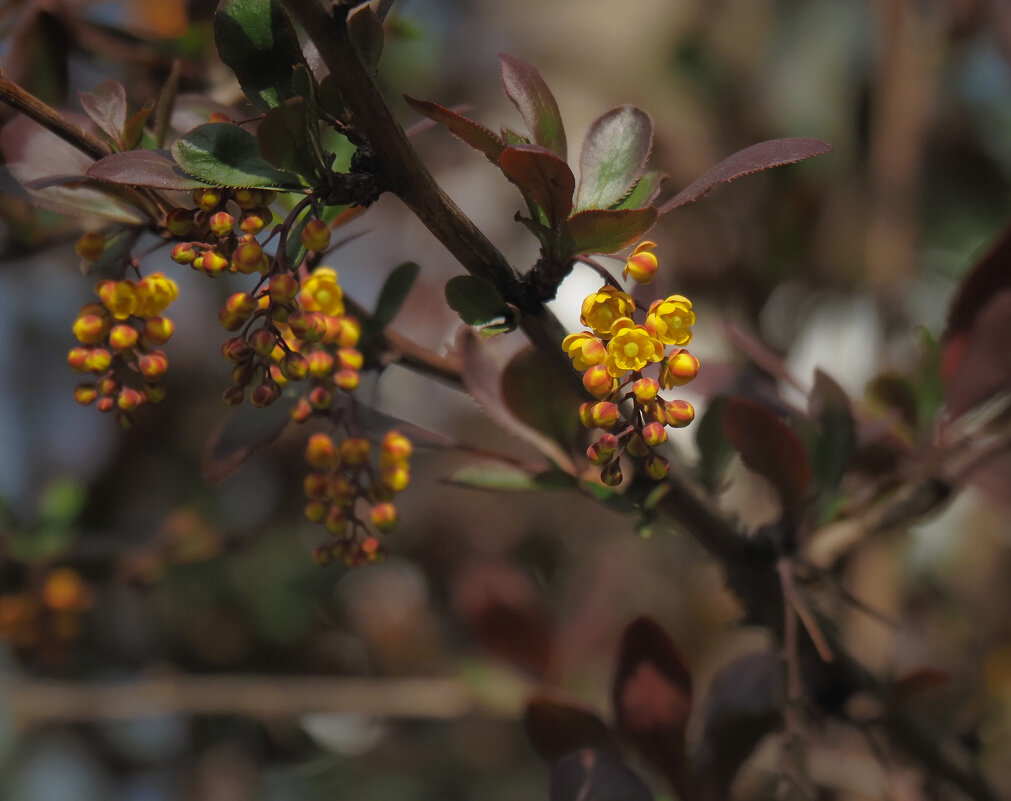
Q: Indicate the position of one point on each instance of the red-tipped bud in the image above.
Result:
(234, 395)
(654, 434)
(320, 398)
(598, 381)
(384, 516)
(294, 367)
(642, 264)
(321, 453)
(241, 303)
(105, 404)
(265, 394)
(246, 199)
(248, 257)
(350, 359)
(604, 414)
(158, 330)
(255, 220)
(213, 263)
(77, 359)
(336, 521)
(354, 451)
(320, 363)
(679, 413)
(586, 415)
(645, 389)
(98, 360)
(657, 467)
(85, 394)
(680, 368)
(262, 341)
(179, 222)
(184, 253)
(341, 490)
(315, 511)
(283, 288)
(348, 380)
(221, 224)
(396, 477)
(243, 373)
(236, 349)
(316, 235)
(90, 246)
(301, 411)
(596, 456)
(108, 386)
(611, 474)
(153, 365)
(123, 337)
(90, 329)
(394, 448)
(350, 332)
(307, 326)
(207, 199)
(129, 399)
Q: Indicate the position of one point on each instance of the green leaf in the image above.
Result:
(475, 135)
(613, 156)
(223, 154)
(836, 440)
(542, 177)
(477, 301)
(606, 231)
(643, 193)
(391, 297)
(525, 87)
(366, 32)
(62, 502)
(502, 477)
(510, 137)
(283, 138)
(714, 449)
(256, 40)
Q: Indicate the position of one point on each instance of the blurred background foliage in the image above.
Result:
(119, 563)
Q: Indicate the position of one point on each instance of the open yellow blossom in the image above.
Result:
(154, 294)
(669, 320)
(584, 349)
(119, 297)
(602, 308)
(322, 293)
(632, 347)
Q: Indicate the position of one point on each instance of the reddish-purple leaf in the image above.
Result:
(589, 775)
(613, 156)
(541, 176)
(762, 156)
(507, 615)
(477, 136)
(652, 695)
(976, 362)
(153, 168)
(242, 433)
(133, 131)
(555, 728)
(604, 231)
(769, 447)
(525, 87)
(106, 105)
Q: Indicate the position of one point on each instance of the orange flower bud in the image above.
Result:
(158, 330)
(85, 394)
(255, 220)
(320, 363)
(586, 415)
(213, 263)
(341, 489)
(604, 415)
(642, 264)
(98, 360)
(395, 447)
(108, 386)
(315, 485)
(320, 398)
(354, 451)
(123, 337)
(294, 367)
(679, 413)
(597, 456)
(265, 394)
(350, 332)
(654, 434)
(336, 521)
(236, 349)
(183, 253)
(316, 235)
(396, 477)
(680, 368)
(283, 288)
(248, 257)
(598, 381)
(65, 591)
(262, 341)
(179, 222)
(657, 467)
(645, 389)
(315, 511)
(350, 359)
(90, 246)
(348, 380)
(207, 199)
(153, 365)
(384, 516)
(90, 329)
(129, 399)
(221, 224)
(321, 453)
(77, 359)
(301, 410)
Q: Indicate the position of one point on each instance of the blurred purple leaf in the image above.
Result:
(475, 135)
(556, 728)
(525, 87)
(594, 775)
(762, 156)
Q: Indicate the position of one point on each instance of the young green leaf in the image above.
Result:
(525, 87)
(152, 168)
(283, 139)
(613, 156)
(477, 301)
(714, 450)
(223, 154)
(477, 136)
(605, 231)
(643, 193)
(543, 177)
(256, 40)
(391, 297)
(763, 156)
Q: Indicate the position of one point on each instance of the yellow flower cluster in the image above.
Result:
(614, 354)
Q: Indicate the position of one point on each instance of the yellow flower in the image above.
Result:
(631, 348)
(119, 297)
(322, 293)
(669, 320)
(154, 294)
(602, 308)
(584, 349)
(642, 264)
